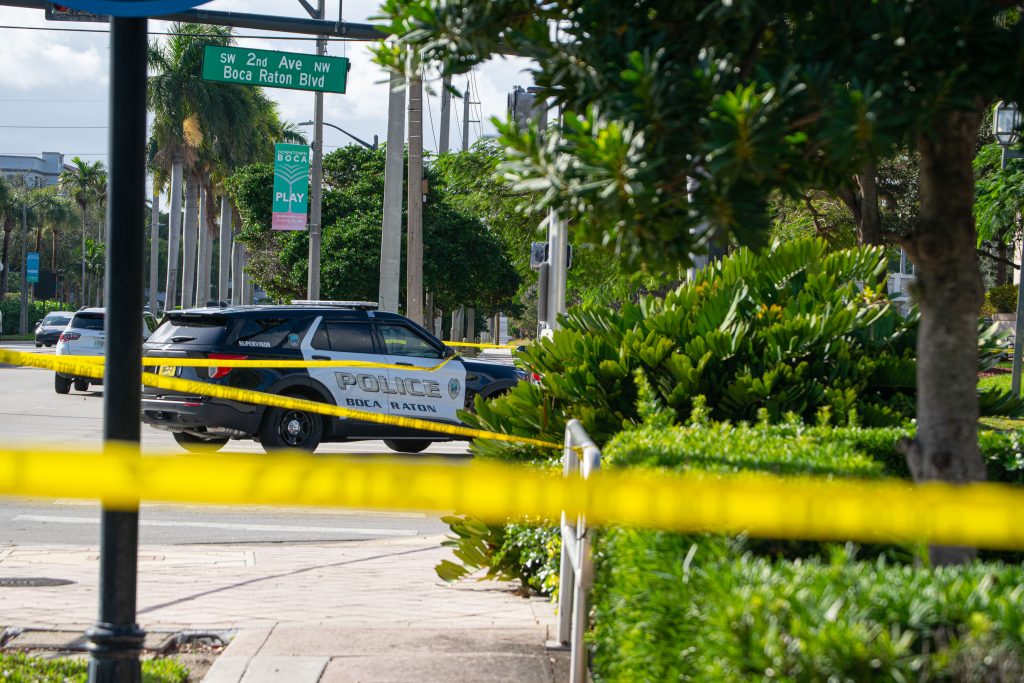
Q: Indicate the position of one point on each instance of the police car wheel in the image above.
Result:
(193, 444)
(62, 385)
(283, 428)
(406, 446)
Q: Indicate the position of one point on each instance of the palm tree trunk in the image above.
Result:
(188, 278)
(5, 272)
(173, 237)
(204, 261)
(225, 249)
(154, 249)
(83, 290)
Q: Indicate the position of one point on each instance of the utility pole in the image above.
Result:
(313, 278)
(446, 114)
(391, 225)
(154, 249)
(414, 238)
(459, 314)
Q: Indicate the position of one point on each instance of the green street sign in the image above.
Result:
(274, 69)
(291, 187)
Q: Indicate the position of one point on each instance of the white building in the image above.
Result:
(36, 171)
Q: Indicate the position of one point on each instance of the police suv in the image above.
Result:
(342, 331)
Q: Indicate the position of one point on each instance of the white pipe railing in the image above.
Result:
(581, 457)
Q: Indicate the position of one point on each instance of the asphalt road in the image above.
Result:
(31, 413)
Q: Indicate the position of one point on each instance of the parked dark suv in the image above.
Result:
(352, 331)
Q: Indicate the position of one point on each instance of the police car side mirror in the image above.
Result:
(449, 352)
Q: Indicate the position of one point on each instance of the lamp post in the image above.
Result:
(1006, 123)
(364, 143)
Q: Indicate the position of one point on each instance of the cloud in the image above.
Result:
(41, 59)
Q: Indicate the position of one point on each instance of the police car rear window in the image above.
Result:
(268, 333)
(87, 321)
(208, 330)
(344, 337)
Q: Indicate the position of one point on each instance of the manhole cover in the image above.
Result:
(31, 582)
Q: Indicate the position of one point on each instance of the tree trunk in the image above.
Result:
(173, 237)
(205, 251)
(83, 289)
(225, 253)
(942, 247)
(1003, 253)
(869, 228)
(191, 233)
(4, 252)
(154, 250)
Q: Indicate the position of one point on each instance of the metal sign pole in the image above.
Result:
(116, 639)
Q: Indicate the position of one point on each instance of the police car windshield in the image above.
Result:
(192, 329)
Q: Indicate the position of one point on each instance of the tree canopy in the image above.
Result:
(464, 262)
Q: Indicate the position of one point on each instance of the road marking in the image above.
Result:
(237, 509)
(55, 519)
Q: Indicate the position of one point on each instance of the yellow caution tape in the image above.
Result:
(239, 363)
(482, 346)
(980, 515)
(192, 387)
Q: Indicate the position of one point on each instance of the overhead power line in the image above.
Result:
(166, 33)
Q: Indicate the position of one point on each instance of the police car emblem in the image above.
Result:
(453, 387)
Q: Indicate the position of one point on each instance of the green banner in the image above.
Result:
(291, 187)
(270, 69)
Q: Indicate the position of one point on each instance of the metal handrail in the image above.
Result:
(581, 457)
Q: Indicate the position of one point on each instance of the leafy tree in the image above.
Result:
(752, 97)
(464, 263)
(86, 184)
(998, 205)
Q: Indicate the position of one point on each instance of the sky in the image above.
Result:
(54, 85)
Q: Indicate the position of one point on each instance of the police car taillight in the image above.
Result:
(217, 373)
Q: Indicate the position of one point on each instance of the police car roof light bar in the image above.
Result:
(353, 305)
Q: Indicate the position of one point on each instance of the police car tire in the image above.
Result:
(274, 427)
(406, 445)
(193, 444)
(62, 385)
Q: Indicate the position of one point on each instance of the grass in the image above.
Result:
(18, 337)
(18, 667)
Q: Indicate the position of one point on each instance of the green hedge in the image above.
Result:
(37, 310)
(711, 608)
(669, 608)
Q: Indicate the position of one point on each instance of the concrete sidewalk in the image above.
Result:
(307, 612)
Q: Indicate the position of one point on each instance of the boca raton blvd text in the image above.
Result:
(275, 69)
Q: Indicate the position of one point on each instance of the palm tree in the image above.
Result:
(190, 112)
(86, 185)
(52, 214)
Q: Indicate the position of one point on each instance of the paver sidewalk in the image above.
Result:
(341, 611)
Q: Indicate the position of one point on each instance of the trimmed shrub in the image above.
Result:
(1003, 298)
(789, 610)
(668, 607)
(37, 310)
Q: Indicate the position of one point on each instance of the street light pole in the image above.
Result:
(1006, 124)
(313, 278)
(364, 143)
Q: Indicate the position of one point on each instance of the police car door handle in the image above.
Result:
(321, 357)
(408, 365)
